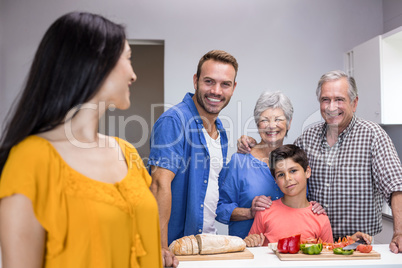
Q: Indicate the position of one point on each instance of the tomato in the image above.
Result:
(364, 248)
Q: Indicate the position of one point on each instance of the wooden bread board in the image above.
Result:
(246, 254)
(328, 255)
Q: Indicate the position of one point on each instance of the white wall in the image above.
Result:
(392, 11)
(280, 44)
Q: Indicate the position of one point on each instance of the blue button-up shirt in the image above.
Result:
(246, 178)
(178, 144)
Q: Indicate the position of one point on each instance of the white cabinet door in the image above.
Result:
(376, 66)
(367, 73)
(391, 77)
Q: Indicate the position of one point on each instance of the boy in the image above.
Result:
(291, 214)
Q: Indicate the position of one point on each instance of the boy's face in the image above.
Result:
(291, 177)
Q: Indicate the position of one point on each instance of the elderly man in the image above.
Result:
(354, 163)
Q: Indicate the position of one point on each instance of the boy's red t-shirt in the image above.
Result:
(280, 221)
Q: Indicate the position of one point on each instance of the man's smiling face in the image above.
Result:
(335, 105)
(215, 86)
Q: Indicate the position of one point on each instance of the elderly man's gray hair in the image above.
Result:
(336, 75)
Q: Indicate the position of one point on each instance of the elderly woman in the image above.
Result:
(249, 185)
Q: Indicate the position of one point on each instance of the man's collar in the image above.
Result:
(343, 134)
(347, 130)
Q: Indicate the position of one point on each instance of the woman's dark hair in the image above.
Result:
(75, 55)
(283, 152)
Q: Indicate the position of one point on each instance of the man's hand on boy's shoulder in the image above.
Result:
(317, 208)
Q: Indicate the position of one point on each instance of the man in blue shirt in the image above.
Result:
(189, 150)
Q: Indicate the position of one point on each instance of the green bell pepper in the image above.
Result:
(311, 249)
(340, 251)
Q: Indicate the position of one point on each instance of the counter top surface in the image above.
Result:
(264, 257)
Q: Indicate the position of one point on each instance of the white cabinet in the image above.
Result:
(376, 66)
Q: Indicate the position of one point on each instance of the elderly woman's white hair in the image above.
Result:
(273, 100)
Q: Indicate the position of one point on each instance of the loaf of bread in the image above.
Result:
(194, 243)
(187, 245)
(206, 244)
(213, 244)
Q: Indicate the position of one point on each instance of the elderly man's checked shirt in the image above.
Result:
(351, 178)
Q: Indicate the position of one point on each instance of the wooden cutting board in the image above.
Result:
(246, 254)
(328, 255)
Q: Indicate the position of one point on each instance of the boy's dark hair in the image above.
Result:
(287, 151)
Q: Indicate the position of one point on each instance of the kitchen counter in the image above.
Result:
(264, 257)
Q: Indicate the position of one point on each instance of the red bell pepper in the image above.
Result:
(289, 244)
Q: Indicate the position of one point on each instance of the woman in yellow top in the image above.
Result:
(71, 197)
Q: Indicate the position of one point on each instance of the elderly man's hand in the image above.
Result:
(396, 244)
(362, 236)
(317, 208)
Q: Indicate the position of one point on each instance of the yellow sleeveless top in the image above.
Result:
(88, 223)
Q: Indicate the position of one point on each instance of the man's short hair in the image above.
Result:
(220, 56)
(336, 75)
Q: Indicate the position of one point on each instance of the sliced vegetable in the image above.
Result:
(343, 242)
(289, 244)
(341, 251)
(311, 249)
(364, 248)
(310, 240)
